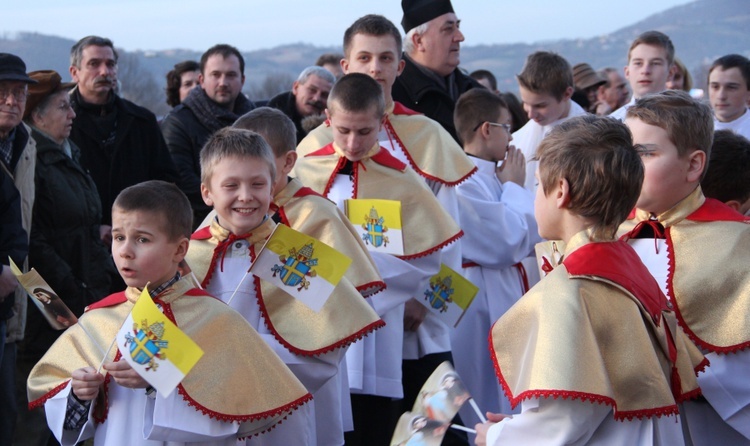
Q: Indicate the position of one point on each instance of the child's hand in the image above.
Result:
(513, 168)
(85, 383)
(482, 428)
(124, 375)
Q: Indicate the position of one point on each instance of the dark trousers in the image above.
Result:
(374, 421)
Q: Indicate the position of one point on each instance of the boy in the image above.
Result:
(727, 178)
(306, 211)
(697, 249)
(252, 389)
(500, 231)
(238, 172)
(546, 86)
(650, 66)
(355, 166)
(592, 352)
(372, 46)
(729, 93)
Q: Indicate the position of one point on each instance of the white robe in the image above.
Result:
(740, 126)
(313, 371)
(620, 113)
(499, 231)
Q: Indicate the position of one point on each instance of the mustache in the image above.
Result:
(320, 105)
(105, 79)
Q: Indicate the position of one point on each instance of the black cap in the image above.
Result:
(417, 12)
(12, 68)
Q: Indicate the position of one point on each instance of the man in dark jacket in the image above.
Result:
(216, 104)
(431, 81)
(120, 142)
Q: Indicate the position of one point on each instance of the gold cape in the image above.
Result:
(431, 150)
(708, 246)
(589, 338)
(310, 213)
(425, 225)
(238, 378)
(344, 318)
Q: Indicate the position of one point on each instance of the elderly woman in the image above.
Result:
(65, 246)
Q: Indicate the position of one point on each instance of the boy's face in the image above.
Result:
(142, 250)
(377, 57)
(544, 108)
(648, 70)
(240, 191)
(497, 145)
(546, 211)
(354, 132)
(667, 176)
(728, 93)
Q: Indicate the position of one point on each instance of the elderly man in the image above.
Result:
(17, 162)
(120, 142)
(614, 93)
(431, 81)
(307, 99)
(216, 104)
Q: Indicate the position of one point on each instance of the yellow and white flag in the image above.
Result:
(449, 295)
(303, 267)
(379, 224)
(155, 347)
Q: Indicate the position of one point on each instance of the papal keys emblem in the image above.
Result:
(146, 344)
(375, 227)
(440, 292)
(296, 267)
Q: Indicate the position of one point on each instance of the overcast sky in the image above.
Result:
(251, 24)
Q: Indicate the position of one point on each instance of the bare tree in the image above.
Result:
(272, 85)
(138, 85)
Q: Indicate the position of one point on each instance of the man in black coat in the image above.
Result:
(216, 104)
(431, 81)
(120, 142)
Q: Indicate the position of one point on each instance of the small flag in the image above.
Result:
(442, 395)
(379, 224)
(155, 347)
(417, 429)
(305, 268)
(57, 314)
(449, 295)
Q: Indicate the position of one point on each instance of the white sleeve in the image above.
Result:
(404, 279)
(726, 386)
(171, 419)
(55, 408)
(312, 371)
(550, 421)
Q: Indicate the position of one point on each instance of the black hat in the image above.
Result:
(417, 12)
(12, 68)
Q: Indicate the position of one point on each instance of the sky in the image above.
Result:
(251, 25)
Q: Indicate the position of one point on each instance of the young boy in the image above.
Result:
(650, 66)
(698, 250)
(546, 86)
(729, 93)
(372, 46)
(592, 352)
(306, 211)
(238, 172)
(239, 387)
(499, 232)
(727, 178)
(355, 166)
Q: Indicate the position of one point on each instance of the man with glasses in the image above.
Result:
(17, 161)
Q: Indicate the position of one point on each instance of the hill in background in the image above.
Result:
(701, 31)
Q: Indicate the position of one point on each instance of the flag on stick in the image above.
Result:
(449, 295)
(155, 347)
(379, 224)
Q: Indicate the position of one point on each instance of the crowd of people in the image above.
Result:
(603, 218)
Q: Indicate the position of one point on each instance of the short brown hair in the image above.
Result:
(76, 51)
(546, 73)
(159, 198)
(372, 25)
(473, 108)
(654, 38)
(604, 172)
(225, 51)
(174, 80)
(728, 174)
(733, 61)
(357, 93)
(273, 125)
(234, 142)
(689, 123)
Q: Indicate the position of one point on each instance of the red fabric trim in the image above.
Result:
(326, 150)
(39, 402)
(469, 265)
(715, 210)
(305, 191)
(109, 301)
(339, 164)
(384, 158)
(631, 215)
(372, 288)
(401, 109)
(201, 234)
(524, 277)
(702, 366)
(434, 248)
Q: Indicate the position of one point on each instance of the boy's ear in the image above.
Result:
(344, 65)
(697, 166)
(328, 114)
(289, 159)
(205, 195)
(401, 65)
(568, 93)
(181, 251)
(562, 193)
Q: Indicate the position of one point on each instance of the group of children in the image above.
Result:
(650, 287)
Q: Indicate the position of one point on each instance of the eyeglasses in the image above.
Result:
(20, 94)
(496, 124)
